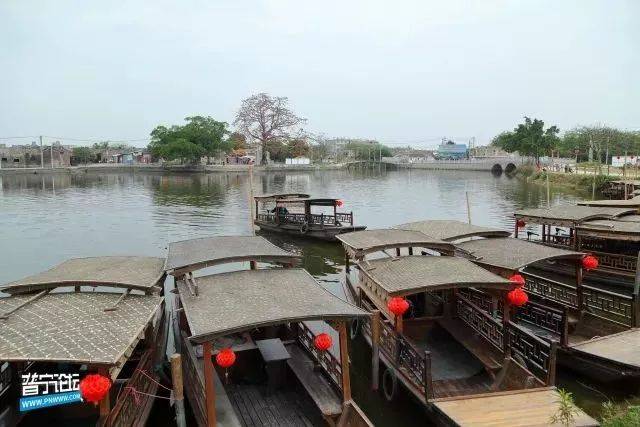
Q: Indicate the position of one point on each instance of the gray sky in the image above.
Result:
(398, 71)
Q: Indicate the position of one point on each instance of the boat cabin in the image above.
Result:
(563, 227)
(302, 215)
(573, 314)
(84, 316)
(444, 346)
(270, 319)
(452, 230)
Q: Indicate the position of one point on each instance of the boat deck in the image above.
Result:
(255, 405)
(622, 348)
(522, 408)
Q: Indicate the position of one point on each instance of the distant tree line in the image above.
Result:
(587, 143)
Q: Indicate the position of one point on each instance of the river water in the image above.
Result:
(47, 219)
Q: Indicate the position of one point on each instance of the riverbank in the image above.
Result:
(580, 183)
(119, 168)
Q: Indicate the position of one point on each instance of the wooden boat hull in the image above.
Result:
(326, 232)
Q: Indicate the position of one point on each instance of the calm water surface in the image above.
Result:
(47, 219)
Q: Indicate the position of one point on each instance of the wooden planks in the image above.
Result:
(318, 387)
(255, 405)
(623, 347)
(523, 408)
(487, 354)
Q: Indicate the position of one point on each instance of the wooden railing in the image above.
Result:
(135, 394)
(536, 352)
(411, 363)
(311, 219)
(325, 359)
(482, 322)
(618, 262)
(611, 306)
(550, 289)
(193, 380)
(560, 241)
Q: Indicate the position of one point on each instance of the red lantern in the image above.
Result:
(323, 341)
(517, 280)
(398, 305)
(94, 387)
(225, 358)
(517, 297)
(590, 262)
(339, 203)
(520, 223)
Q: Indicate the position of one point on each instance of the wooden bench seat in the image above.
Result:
(316, 384)
(490, 357)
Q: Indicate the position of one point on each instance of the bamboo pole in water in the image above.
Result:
(466, 193)
(251, 213)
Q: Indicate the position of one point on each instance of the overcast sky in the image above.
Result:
(398, 71)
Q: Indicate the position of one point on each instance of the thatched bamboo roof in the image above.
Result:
(73, 326)
(450, 230)
(267, 197)
(611, 229)
(630, 203)
(194, 254)
(412, 274)
(571, 215)
(242, 300)
(513, 254)
(360, 243)
(117, 271)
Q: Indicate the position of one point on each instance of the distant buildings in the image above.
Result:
(449, 150)
(22, 156)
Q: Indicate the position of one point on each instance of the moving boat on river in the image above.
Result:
(291, 213)
(466, 365)
(101, 316)
(278, 338)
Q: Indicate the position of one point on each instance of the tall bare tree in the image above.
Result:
(265, 118)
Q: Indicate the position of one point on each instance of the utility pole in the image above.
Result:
(41, 154)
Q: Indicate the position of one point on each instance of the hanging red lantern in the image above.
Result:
(520, 223)
(225, 358)
(94, 387)
(517, 297)
(517, 280)
(589, 262)
(398, 305)
(339, 203)
(323, 341)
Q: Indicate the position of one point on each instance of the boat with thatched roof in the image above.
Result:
(597, 329)
(295, 214)
(433, 339)
(266, 338)
(97, 320)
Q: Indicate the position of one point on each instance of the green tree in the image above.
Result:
(529, 139)
(593, 142)
(277, 150)
(368, 150)
(82, 154)
(200, 136)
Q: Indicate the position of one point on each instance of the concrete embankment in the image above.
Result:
(99, 169)
(498, 165)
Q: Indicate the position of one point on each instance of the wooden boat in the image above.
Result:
(292, 214)
(446, 351)
(452, 230)
(589, 229)
(597, 330)
(270, 319)
(87, 315)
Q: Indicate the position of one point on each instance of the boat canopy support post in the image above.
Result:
(105, 403)
(209, 386)
(375, 349)
(506, 319)
(579, 290)
(515, 230)
(551, 367)
(344, 360)
(346, 262)
(635, 321)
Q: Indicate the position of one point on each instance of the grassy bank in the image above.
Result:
(582, 183)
